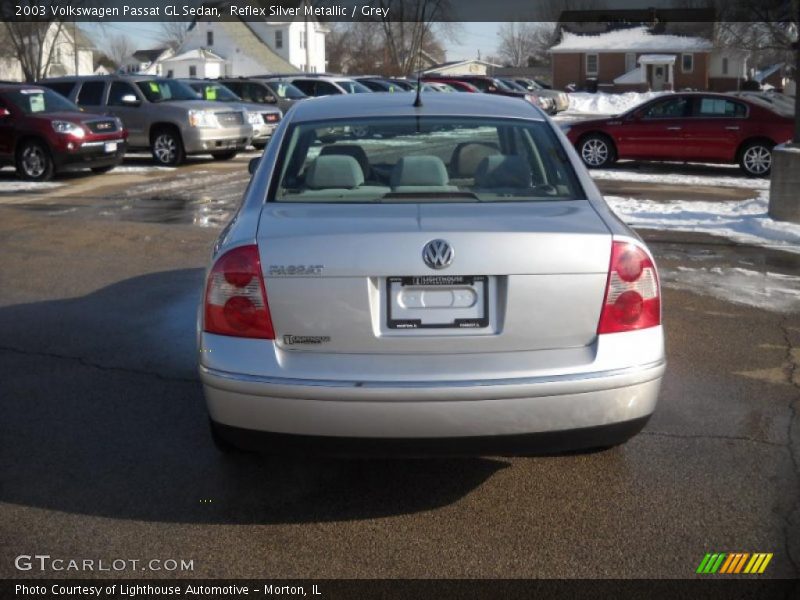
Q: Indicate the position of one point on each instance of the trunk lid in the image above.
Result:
(541, 271)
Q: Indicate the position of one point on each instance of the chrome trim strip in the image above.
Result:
(657, 367)
(102, 143)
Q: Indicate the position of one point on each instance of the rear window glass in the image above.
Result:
(720, 107)
(91, 93)
(428, 159)
(160, 90)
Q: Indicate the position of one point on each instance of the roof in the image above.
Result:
(453, 63)
(251, 45)
(762, 74)
(197, 54)
(148, 55)
(657, 59)
(348, 106)
(632, 39)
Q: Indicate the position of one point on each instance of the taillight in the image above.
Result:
(236, 300)
(271, 117)
(632, 299)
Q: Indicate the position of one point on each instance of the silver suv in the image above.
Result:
(162, 115)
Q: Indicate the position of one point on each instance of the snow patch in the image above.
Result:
(771, 291)
(678, 179)
(637, 39)
(8, 187)
(608, 104)
(141, 169)
(744, 221)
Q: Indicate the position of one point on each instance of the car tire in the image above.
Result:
(221, 443)
(225, 155)
(34, 162)
(597, 151)
(755, 158)
(167, 147)
(101, 170)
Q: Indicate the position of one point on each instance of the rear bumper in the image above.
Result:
(549, 413)
(549, 442)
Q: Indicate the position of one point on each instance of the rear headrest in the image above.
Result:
(468, 155)
(419, 171)
(503, 171)
(353, 150)
(334, 172)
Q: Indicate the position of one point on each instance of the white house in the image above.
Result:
(147, 62)
(462, 67)
(62, 42)
(194, 63)
(260, 47)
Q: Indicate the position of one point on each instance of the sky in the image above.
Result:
(470, 38)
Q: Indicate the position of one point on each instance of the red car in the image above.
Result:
(460, 86)
(43, 133)
(691, 127)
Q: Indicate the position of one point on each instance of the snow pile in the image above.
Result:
(745, 222)
(677, 179)
(608, 104)
(637, 39)
(14, 186)
(771, 291)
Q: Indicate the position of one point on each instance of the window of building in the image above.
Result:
(209, 38)
(687, 63)
(91, 93)
(630, 61)
(592, 63)
(170, 74)
(279, 39)
(192, 71)
(725, 66)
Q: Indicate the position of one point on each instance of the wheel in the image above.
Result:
(167, 148)
(359, 131)
(756, 158)
(597, 151)
(101, 170)
(224, 155)
(34, 162)
(221, 444)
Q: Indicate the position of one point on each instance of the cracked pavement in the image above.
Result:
(104, 451)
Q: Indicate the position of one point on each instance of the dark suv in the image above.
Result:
(43, 133)
(258, 91)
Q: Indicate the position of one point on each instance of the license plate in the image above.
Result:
(437, 302)
(110, 147)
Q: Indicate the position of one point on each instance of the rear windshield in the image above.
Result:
(161, 90)
(40, 100)
(427, 159)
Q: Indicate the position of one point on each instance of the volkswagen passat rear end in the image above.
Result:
(459, 287)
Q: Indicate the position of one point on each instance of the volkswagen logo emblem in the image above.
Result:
(438, 254)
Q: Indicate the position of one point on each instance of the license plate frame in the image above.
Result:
(445, 282)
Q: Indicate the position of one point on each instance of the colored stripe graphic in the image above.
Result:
(734, 563)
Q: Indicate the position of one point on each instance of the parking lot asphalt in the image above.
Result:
(104, 449)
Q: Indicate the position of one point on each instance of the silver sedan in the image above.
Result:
(453, 284)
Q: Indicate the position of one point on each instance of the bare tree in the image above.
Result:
(35, 45)
(118, 48)
(174, 33)
(409, 29)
